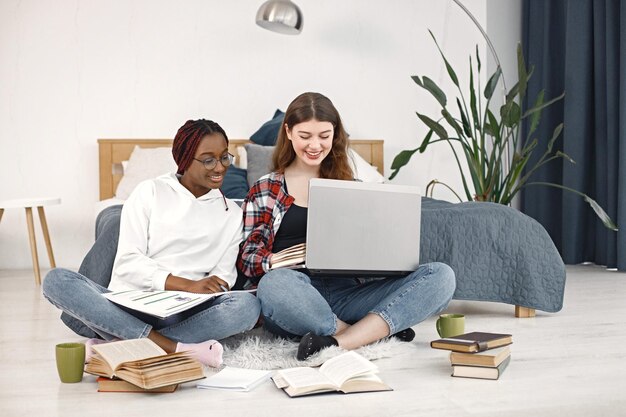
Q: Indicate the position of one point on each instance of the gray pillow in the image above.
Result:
(259, 161)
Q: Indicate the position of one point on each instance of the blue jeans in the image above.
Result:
(82, 299)
(293, 303)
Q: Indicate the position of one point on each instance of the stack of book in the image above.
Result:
(139, 365)
(477, 354)
(293, 257)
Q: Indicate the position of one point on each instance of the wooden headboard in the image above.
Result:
(113, 151)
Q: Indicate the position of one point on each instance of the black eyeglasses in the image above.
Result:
(210, 163)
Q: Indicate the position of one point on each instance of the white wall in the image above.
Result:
(75, 71)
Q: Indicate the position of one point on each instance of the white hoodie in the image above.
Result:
(165, 229)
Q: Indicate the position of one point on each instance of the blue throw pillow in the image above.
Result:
(268, 133)
(235, 183)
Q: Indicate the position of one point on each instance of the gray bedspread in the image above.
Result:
(497, 253)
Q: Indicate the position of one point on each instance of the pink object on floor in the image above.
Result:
(88, 344)
(208, 353)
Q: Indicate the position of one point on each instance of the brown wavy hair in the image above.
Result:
(314, 106)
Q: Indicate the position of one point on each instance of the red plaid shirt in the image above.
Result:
(263, 210)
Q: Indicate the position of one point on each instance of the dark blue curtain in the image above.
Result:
(579, 47)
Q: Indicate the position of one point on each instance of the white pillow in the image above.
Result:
(243, 157)
(144, 164)
(362, 169)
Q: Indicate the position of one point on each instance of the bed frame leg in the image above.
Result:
(524, 312)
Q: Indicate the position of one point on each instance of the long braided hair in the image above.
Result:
(187, 139)
(305, 107)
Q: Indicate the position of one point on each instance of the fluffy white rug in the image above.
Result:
(259, 349)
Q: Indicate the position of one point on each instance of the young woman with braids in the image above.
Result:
(177, 232)
(347, 312)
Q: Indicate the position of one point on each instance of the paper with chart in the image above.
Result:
(161, 304)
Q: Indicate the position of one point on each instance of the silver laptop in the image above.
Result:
(362, 229)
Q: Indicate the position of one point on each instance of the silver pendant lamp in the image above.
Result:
(281, 16)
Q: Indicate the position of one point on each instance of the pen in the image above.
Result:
(223, 288)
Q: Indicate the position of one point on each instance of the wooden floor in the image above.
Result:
(572, 363)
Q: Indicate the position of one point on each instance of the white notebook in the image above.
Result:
(236, 379)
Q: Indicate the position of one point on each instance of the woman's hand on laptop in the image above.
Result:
(207, 285)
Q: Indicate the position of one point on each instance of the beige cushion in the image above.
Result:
(144, 164)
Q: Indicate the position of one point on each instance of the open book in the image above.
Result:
(161, 304)
(292, 257)
(347, 373)
(141, 362)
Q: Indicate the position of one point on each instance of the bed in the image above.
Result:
(498, 253)
(113, 152)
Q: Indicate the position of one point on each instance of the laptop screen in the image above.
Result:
(357, 228)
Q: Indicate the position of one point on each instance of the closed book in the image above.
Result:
(491, 357)
(118, 385)
(472, 342)
(480, 372)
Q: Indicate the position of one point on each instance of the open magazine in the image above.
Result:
(161, 304)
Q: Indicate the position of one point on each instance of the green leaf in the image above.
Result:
(513, 92)
(565, 156)
(530, 146)
(435, 90)
(534, 120)
(605, 218)
(492, 83)
(473, 107)
(555, 135)
(475, 171)
(494, 126)
(433, 125)
(543, 106)
(464, 120)
(401, 160)
(511, 114)
(477, 58)
(426, 141)
(522, 74)
(453, 123)
(417, 80)
(449, 68)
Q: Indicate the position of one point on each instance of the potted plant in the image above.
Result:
(491, 145)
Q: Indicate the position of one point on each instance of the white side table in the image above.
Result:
(28, 204)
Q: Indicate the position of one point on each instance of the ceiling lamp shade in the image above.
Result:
(281, 16)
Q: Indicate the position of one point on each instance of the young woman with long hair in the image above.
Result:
(349, 312)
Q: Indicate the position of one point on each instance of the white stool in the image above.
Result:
(28, 204)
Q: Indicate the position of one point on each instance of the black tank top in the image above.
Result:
(292, 230)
